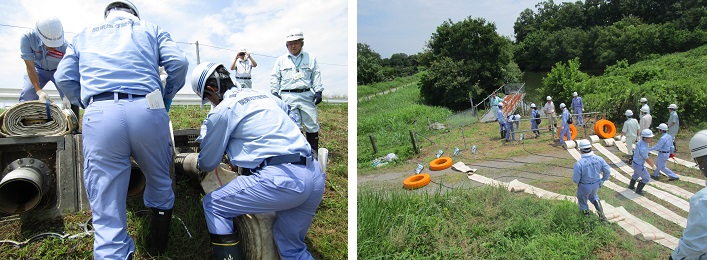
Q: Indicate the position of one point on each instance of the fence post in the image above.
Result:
(414, 145)
(373, 142)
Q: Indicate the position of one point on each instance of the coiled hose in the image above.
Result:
(36, 118)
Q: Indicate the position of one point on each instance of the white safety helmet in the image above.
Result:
(50, 31)
(548, 98)
(584, 145)
(663, 127)
(673, 106)
(202, 73)
(644, 100)
(562, 105)
(629, 112)
(644, 109)
(500, 104)
(646, 133)
(294, 34)
(698, 149)
(124, 4)
(532, 105)
(574, 94)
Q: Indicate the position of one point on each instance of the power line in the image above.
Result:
(189, 43)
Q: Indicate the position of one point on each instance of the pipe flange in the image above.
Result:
(35, 164)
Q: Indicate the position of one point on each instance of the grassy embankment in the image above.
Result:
(327, 237)
(484, 223)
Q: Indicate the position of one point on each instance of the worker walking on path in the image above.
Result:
(590, 173)
(535, 121)
(693, 243)
(495, 102)
(646, 119)
(578, 108)
(41, 49)
(502, 122)
(665, 148)
(630, 131)
(549, 110)
(640, 157)
(673, 123)
(243, 64)
(254, 130)
(112, 70)
(296, 79)
(565, 117)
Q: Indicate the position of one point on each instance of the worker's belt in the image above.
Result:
(111, 95)
(664, 151)
(294, 158)
(242, 77)
(638, 164)
(299, 90)
(588, 182)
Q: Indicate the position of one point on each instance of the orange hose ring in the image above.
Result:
(441, 163)
(417, 181)
(573, 132)
(605, 129)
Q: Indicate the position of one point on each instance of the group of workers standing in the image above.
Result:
(111, 70)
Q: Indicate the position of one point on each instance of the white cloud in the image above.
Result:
(259, 26)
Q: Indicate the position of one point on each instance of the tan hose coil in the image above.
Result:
(30, 118)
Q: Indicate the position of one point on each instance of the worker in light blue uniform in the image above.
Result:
(511, 127)
(254, 130)
(502, 122)
(535, 120)
(297, 80)
(565, 132)
(112, 70)
(673, 124)
(578, 108)
(665, 148)
(41, 49)
(693, 243)
(640, 157)
(590, 173)
(495, 101)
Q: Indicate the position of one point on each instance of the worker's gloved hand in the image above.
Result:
(672, 155)
(317, 97)
(277, 95)
(167, 103)
(43, 96)
(65, 102)
(601, 183)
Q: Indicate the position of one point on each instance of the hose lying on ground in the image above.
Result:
(30, 118)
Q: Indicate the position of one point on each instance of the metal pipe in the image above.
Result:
(24, 183)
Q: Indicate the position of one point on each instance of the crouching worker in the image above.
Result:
(254, 130)
(640, 156)
(693, 244)
(590, 172)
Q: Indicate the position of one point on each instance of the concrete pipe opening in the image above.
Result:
(23, 184)
(137, 181)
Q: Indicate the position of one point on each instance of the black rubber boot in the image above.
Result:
(313, 139)
(159, 231)
(639, 189)
(632, 184)
(600, 210)
(226, 246)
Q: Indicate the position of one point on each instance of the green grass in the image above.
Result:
(367, 90)
(327, 237)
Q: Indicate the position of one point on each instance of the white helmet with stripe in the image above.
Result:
(50, 31)
(121, 4)
(202, 73)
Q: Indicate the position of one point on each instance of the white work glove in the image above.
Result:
(65, 102)
(43, 96)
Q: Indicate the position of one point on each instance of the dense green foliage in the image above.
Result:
(601, 32)
(483, 223)
(372, 69)
(389, 118)
(468, 58)
(671, 79)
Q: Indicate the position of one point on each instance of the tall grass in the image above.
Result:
(367, 90)
(484, 223)
(189, 238)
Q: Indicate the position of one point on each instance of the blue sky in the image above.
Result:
(404, 26)
(258, 26)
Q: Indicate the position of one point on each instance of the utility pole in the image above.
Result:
(198, 60)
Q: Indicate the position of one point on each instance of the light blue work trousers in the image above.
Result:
(579, 118)
(28, 93)
(113, 130)
(587, 191)
(303, 105)
(661, 164)
(639, 170)
(292, 191)
(565, 133)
